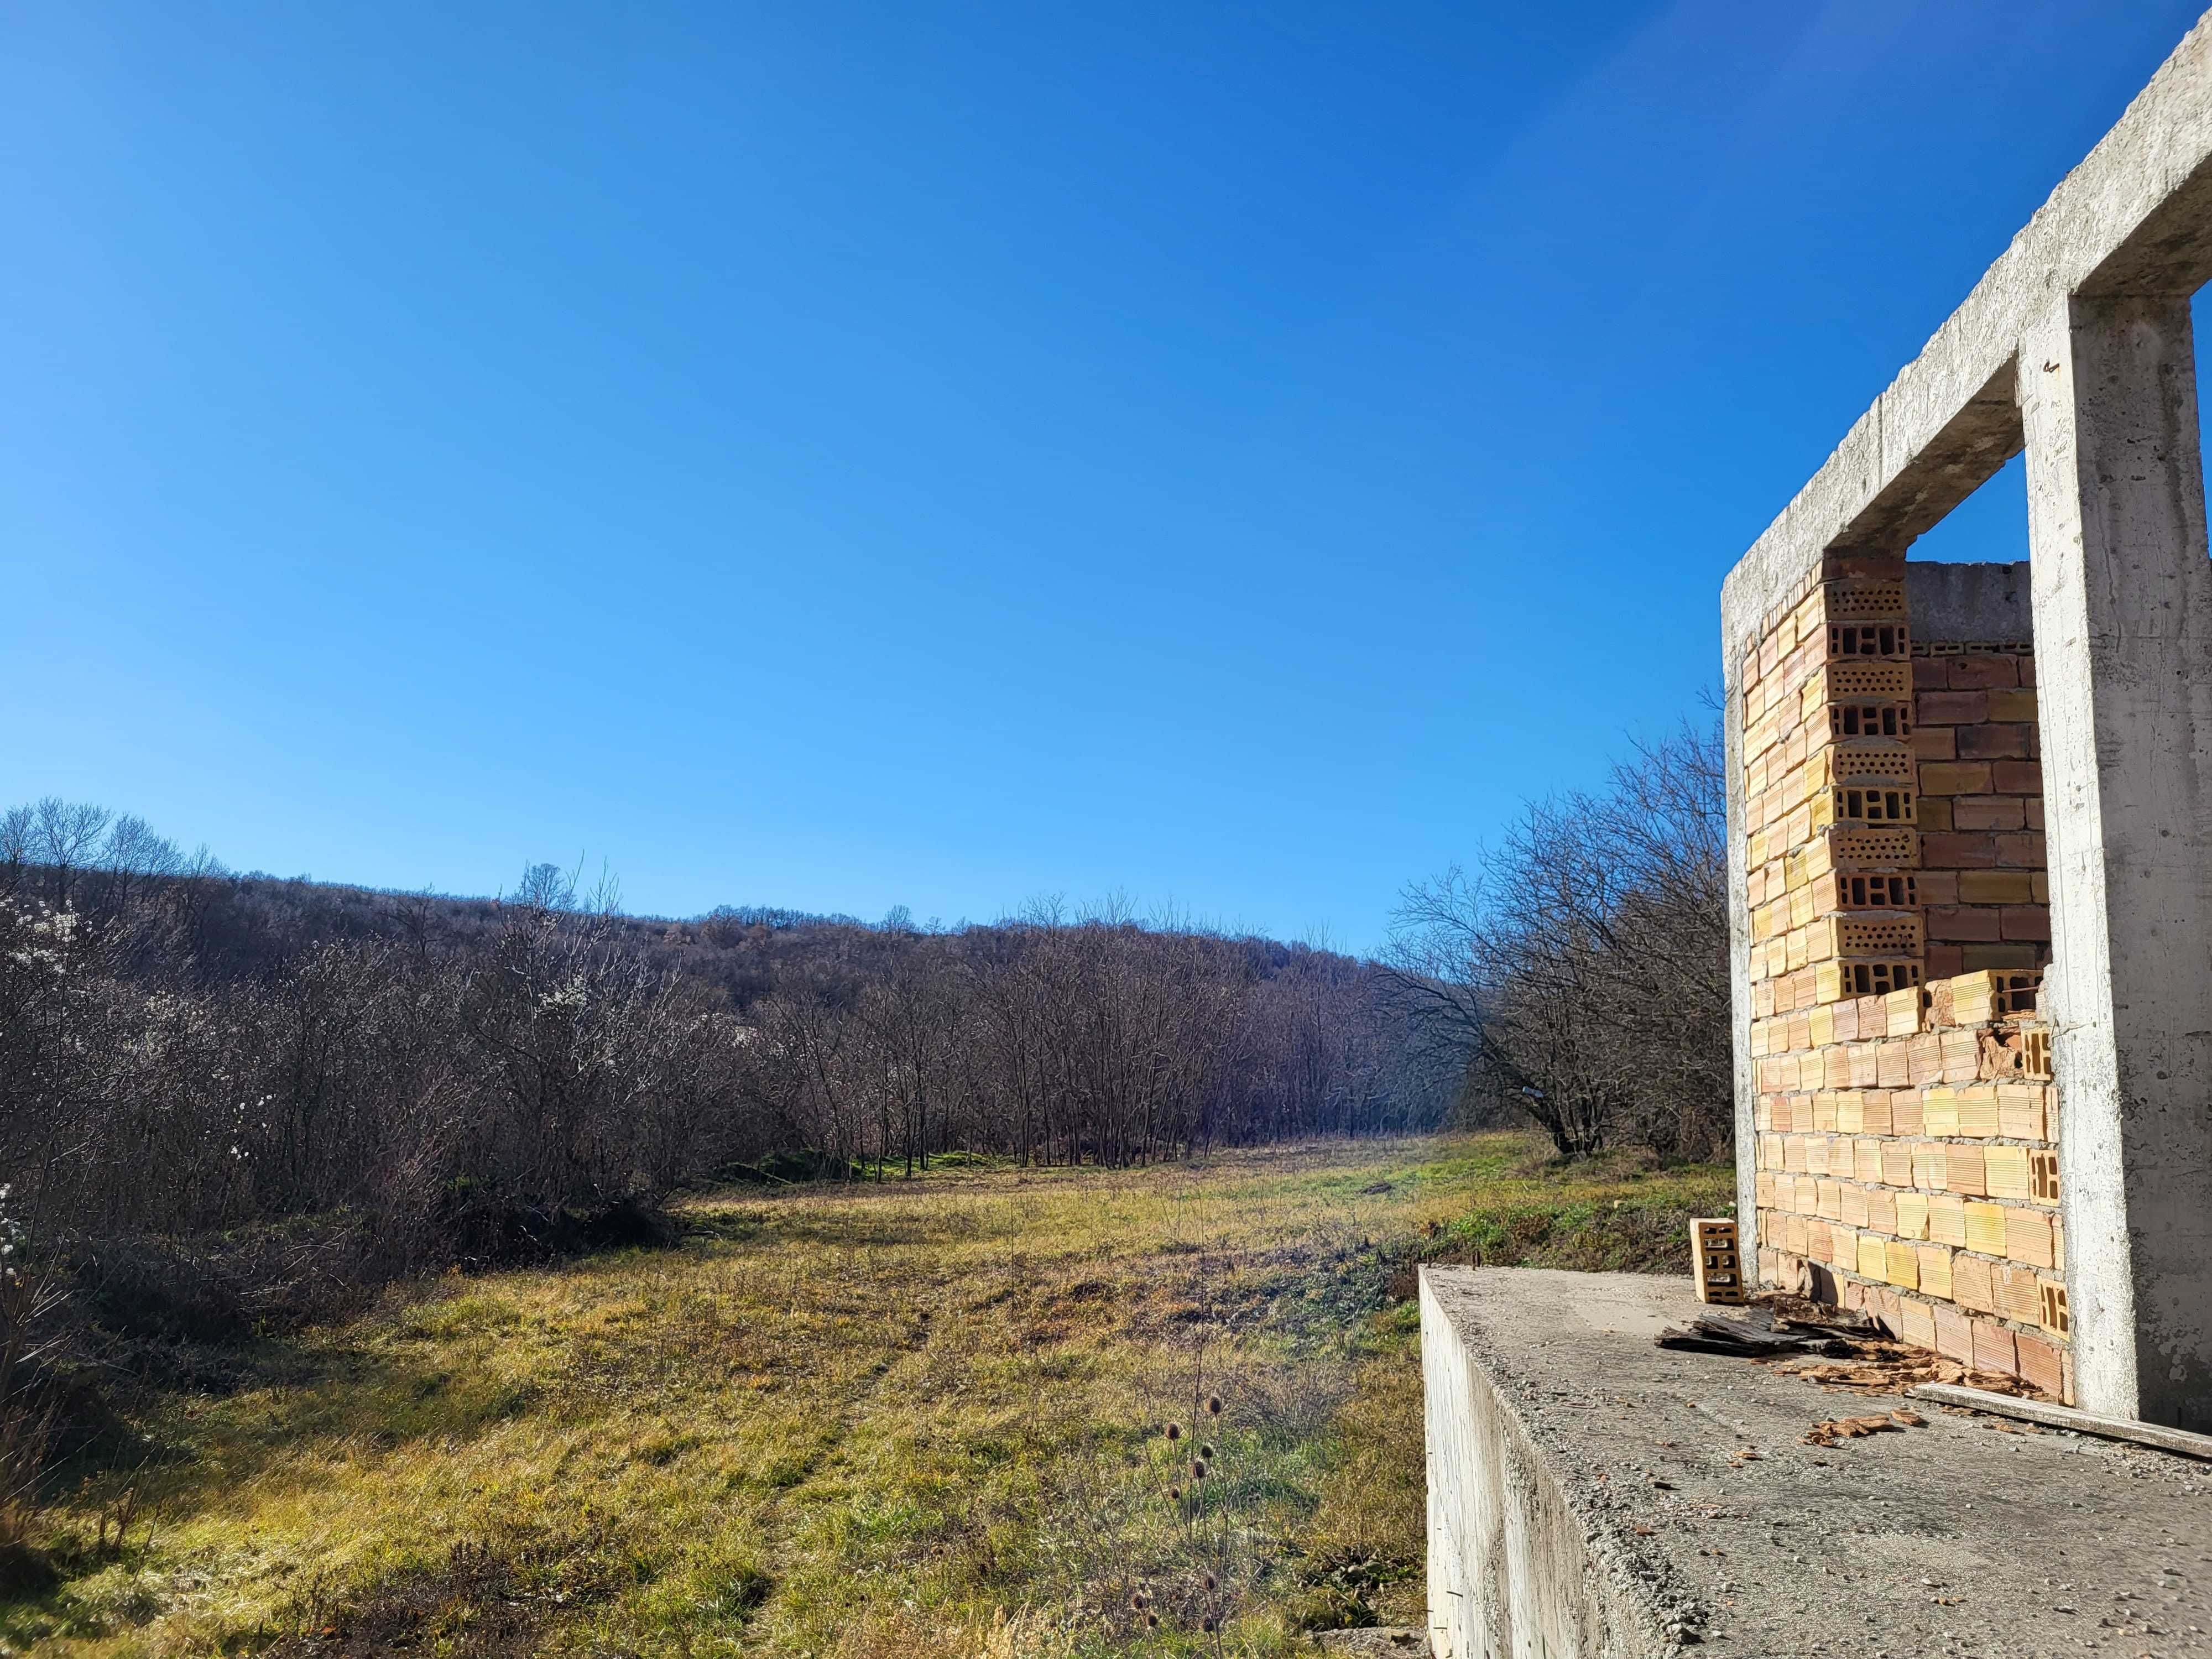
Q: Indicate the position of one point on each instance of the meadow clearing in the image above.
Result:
(924, 1417)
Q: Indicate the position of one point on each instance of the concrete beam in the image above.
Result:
(1960, 602)
(2134, 217)
(2123, 598)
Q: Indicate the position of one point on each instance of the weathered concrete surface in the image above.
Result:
(1961, 602)
(1586, 1495)
(2123, 618)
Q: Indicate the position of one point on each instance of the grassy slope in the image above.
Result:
(918, 1418)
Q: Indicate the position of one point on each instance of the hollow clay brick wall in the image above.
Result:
(1907, 1160)
(1986, 903)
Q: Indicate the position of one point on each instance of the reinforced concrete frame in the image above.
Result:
(2076, 345)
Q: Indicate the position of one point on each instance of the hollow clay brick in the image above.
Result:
(1993, 742)
(1954, 1334)
(1963, 778)
(1999, 812)
(1963, 924)
(1994, 1350)
(1950, 709)
(1989, 671)
(1958, 852)
(2041, 1364)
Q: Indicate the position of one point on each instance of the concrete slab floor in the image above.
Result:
(1954, 1539)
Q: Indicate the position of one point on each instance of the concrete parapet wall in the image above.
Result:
(1516, 1565)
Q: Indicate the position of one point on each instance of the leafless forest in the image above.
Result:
(184, 1049)
(187, 1050)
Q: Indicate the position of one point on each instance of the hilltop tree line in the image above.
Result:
(184, 1049)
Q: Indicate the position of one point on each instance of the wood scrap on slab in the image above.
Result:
(1744, 1339)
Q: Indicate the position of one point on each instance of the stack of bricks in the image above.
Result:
(1985, 899)
(1907, 1160)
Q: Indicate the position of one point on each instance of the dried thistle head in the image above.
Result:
(1175, 1492)
(1206, 1452)
(1206, 1624)
(1175, 1431)
(1212, 1583)
(1213, 1405)
(1198, 1468)
(1151, 1622)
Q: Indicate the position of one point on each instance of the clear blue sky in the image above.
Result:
(841, 455)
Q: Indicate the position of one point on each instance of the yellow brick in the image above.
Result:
(1947, 1218)
(1851, 1117)
(1903, 1009)
(2005, 1171)
(1873, 1257)
(1977, 1108)
(1939, 1111)
(1901, 1263)
(1935, 1270)
(1911, 1215)
(2019, 1110)
(1985, 1229)
(1994, 886)
(1928, 1167)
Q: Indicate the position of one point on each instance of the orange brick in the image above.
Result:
(2027, 1237)
(1881, 1210)
(1917, 1322)
(1994, 1350)
(1954, 1334)
(1972, 1285)
(2041, 1364)
(1963, 1170)
(2018, 1293)
(1854, 1206)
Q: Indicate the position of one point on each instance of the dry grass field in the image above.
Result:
(927, 1418)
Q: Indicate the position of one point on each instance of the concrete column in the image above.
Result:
(2123, 606)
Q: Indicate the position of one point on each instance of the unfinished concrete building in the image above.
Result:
(1970, 816)
(1970, 875)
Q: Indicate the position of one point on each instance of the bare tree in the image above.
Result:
(1584, 964)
